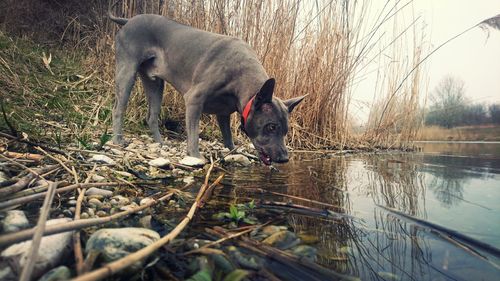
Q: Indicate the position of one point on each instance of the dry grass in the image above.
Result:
(465, 133)
(312, 49)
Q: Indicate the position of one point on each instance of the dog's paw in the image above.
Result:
(118, 140)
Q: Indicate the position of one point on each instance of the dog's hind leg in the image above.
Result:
(124, 79)
(225, 128)
(154, 92)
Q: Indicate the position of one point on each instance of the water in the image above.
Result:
(454, 185)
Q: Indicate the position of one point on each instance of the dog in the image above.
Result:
(216, 74)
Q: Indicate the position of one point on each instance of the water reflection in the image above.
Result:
(456, 192)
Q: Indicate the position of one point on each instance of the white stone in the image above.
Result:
(188, 180)
(238, 159)
(51, 249)
(192, 161)
(159, 162)
(102, 159)
(98, 191)
(116, 151)
(15, 220)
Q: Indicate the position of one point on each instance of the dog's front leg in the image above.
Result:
(193, 115)
(225, 128)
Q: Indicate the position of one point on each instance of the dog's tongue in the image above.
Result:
(265, 159)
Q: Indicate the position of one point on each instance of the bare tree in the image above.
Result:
(448, 103)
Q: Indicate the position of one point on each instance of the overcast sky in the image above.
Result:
(474, 57)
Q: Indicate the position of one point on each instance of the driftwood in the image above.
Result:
(37, 236)
(117, 266)
(29, 198)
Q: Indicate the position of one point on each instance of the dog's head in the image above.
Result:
(267, 123)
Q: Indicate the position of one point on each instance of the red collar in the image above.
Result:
(246, 110)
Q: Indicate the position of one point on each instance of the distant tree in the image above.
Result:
(494, 111)
(448, 103)
(474, 114)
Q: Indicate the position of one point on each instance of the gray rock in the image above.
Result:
(119, 200)
(99, 158)
(15, 220)
(282, 239)
(159, 162)
(124, 174)
(192, 161)
(72, 202)
(52, 248)
(238, 159)
(57, 274)
(115, 243)
(188, 180)
(98, 191)
(145, 221)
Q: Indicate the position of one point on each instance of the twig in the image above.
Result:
(77, 245)
(304, 209)
(126, 261)
(209, 191)
(55, 159)
(24, 181)
(29, 198)
(23, 235)
(33, 143)
(37, 236)
(29, 156)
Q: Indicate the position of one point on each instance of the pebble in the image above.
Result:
(72, 202)
(115, 243)
(101, 214)
(99, 158)
(84, 215)
(188, 180)
(146, 200)
(98, 178)
(145, 221)
(238, 159)
(119, 200)
(95, 203)
(52, 248)
(124, 174)
(98, 191)
(192, 161)
(116, 151)
(159, 162)
(129, 207)
(57, 274)
(15, 220)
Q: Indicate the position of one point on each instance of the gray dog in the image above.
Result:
(216, 74)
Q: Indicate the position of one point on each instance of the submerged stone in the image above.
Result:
(283, 240)
(305, 251)
(59, 273)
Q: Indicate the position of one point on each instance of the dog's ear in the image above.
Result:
(292, 103)
(265, 95)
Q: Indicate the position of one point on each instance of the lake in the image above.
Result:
(431, 215)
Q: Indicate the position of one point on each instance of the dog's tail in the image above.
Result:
(120, 21)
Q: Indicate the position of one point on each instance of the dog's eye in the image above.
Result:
(271, 128)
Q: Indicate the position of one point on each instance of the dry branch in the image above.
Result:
(37, 236)
(29, 198)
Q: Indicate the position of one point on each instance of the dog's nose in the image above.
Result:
(281, 159)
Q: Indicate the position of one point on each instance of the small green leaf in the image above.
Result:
(202, 275)
(236, 275)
